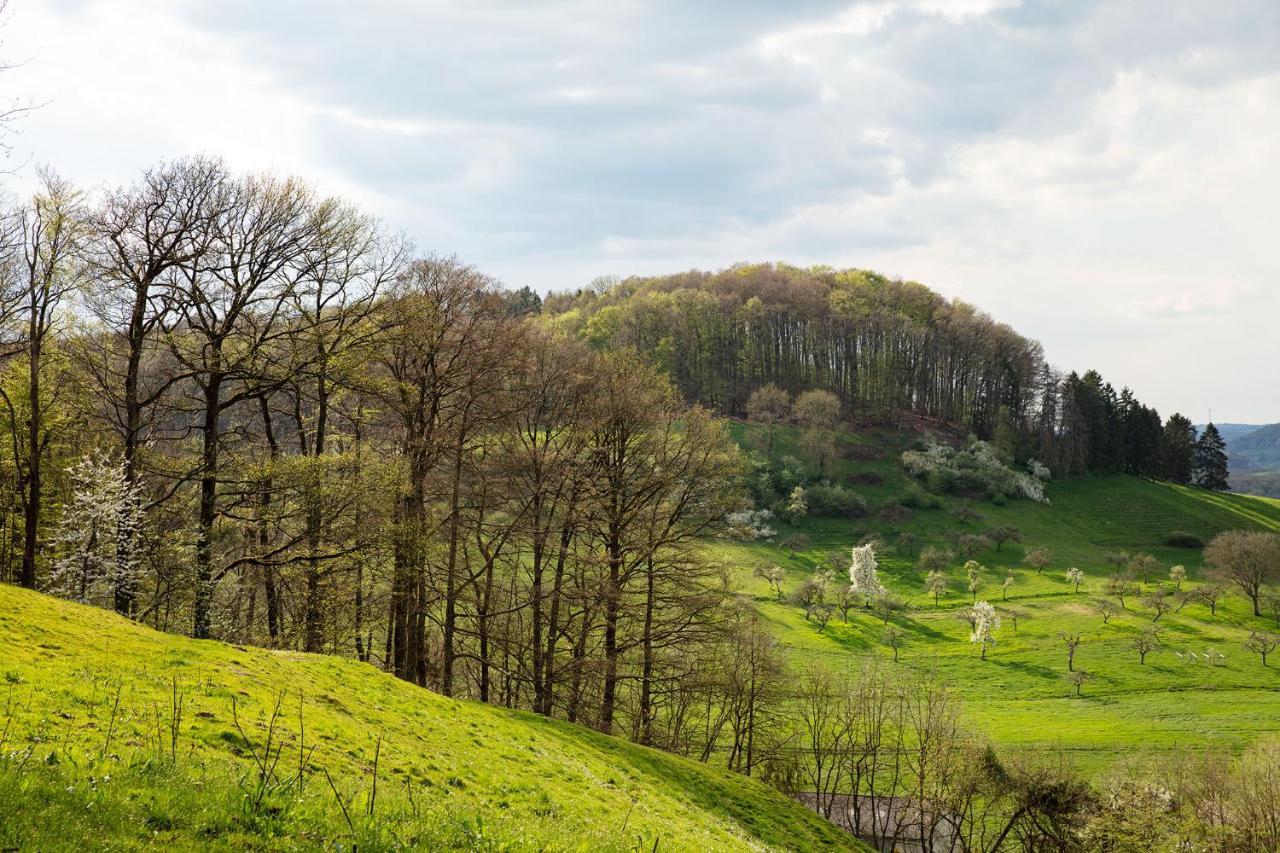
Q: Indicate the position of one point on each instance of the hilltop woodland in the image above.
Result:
(238, 410)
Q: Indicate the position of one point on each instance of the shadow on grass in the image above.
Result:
(1029, 668)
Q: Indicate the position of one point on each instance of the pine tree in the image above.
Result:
(1211, 460)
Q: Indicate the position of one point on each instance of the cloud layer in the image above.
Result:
(1099, 174)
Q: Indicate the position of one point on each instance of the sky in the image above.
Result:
(1102, 175)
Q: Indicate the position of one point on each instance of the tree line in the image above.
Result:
(891, 351)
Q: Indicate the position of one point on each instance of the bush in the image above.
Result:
(1183, 539)
(917, 498)
(835, 502)
(975, 469)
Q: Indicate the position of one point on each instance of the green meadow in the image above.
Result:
(1019, 696)
(119, 737)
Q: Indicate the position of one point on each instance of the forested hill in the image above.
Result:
(891, 350)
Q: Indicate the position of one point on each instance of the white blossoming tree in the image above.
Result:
(1075, 577)
(1178, 574)
(985, 623)
(104, 509)
(864, 578)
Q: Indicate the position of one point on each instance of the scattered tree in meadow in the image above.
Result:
(1106, 610)
(1262, 644)
(1271, 603)
(965, 513)
(1001, 535)
(935, 583)
(1078, 678)
(1210, 593)
(1143, 567)
(1072, 641)
(1157, 601)
(887, 606)
(1118, 586)
(1014, 615)
(775, 575)
(1038, 559)
(809, 594)
(797, 542)
(985, 623)
(846, 600)
(1249, 559)
(908, 544)
(973, 571)
(822, 613)
(893, 637)
(1075, 577)
(863, 574)
(1177, 574)
(934, 559)
(969, 545)
(769, 406)
(1146, 642)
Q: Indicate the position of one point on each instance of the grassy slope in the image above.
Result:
(1020, 695)
(450, 773)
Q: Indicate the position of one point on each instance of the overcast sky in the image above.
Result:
(1104, 176)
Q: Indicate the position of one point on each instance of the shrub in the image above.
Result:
(917, 498)
(1183, 539)
(975, 469)
(895, 513)
(835, 502)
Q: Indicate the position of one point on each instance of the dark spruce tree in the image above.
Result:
(1177, 450)
(1211, 460)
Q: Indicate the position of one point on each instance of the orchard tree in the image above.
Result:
(1001, 535)
(1038, 559)
(1178, 574)
(934, 559)
(973, 570)
(893, 637)
(909, 543)
(936, 583)
(1106, 610)
(1158, 603)
(1072, 641)
(1075, 577)
(1118, 586)
(985, 623)
(1143, 567)
(1262, 643)
(864, 576)
(1146, 643)
(1008, 583)
(1077, 678)
(1210, 593)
